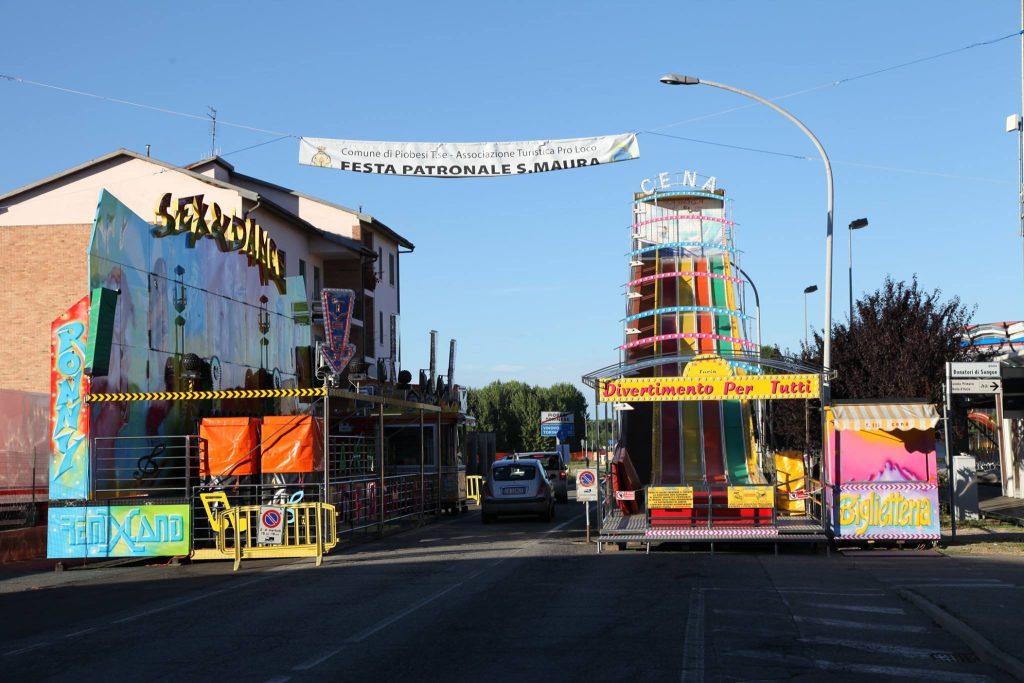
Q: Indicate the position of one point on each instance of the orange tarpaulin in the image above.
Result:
(291, 444)
(232, 446)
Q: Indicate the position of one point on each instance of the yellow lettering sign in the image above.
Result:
(888, 510)
(231, 233)
(706, 388)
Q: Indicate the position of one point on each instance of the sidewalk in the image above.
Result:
(996, 506)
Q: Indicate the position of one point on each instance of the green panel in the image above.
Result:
(735, 444)
(101, 330)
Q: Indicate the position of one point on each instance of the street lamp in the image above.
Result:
(807, 290)
(854, 225)
(677, 79)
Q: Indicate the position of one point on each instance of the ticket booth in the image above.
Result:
(880, 471)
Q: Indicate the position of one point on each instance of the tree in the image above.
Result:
(896, 347)
(512, 411)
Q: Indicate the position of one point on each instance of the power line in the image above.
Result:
(140, 105)
(841, 81)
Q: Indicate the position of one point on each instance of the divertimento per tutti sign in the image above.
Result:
(466, 159)
(709, 388)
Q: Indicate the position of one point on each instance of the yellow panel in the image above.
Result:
(663, 497)
(751, 497)
(709, 388)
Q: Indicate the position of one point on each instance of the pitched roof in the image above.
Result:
(347, 242)
(363, 217)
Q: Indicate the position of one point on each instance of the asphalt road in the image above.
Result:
(519, 600)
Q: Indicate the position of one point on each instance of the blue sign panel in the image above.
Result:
(118, 531)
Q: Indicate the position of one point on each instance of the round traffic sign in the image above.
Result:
(271, 519)
(587, 478)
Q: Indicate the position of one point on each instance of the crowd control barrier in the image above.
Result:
(473, 487)
(308, 531)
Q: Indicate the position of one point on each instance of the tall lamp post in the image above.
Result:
(807, 290)
(678, 79)
(854, 225)
(807, 404)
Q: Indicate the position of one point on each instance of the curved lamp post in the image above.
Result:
(677, 79)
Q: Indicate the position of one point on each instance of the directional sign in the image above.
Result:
(562, 425)
(975, 386)
(586, 485)
(974, 371)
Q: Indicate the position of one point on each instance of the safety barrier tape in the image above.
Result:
(204, 395)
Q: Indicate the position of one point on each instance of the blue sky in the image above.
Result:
(526, 271)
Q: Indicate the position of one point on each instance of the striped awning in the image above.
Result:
(887, 417)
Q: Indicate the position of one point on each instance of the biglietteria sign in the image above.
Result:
(709, 388)
(466, 159)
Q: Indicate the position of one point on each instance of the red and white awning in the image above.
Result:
(887, 417)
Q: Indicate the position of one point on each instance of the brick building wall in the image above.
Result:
(44, 269)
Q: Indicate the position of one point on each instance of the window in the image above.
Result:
(381, 326)
(380, 263)
(302, 271)
(523, 472)
(316, 282)
(391, 269)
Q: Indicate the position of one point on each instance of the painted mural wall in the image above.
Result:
(182, 295)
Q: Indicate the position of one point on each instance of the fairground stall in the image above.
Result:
(193, 415)
(880, 472)
(690, 464)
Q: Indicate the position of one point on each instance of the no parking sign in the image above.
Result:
(586, 485)
(271, 526)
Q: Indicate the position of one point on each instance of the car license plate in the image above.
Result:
(515, 490)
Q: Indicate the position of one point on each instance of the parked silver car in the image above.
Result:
(517, 486)
(558, 472)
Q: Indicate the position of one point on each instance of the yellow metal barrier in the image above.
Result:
(212, 500)
(309, 531)
(473, 487)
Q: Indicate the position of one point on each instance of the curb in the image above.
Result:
(985, 650)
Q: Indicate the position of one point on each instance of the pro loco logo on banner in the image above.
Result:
(466, 159)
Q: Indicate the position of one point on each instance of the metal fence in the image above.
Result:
(145, 466)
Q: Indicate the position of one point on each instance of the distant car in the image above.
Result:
(517, 487)
(557, 471)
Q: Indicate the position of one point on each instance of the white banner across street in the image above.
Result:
(466, 159)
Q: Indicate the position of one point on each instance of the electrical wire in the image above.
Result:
(841, 81)
(140, 105)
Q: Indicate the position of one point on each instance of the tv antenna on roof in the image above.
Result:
(213, 130)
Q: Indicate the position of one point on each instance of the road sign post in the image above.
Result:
(586, 491)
